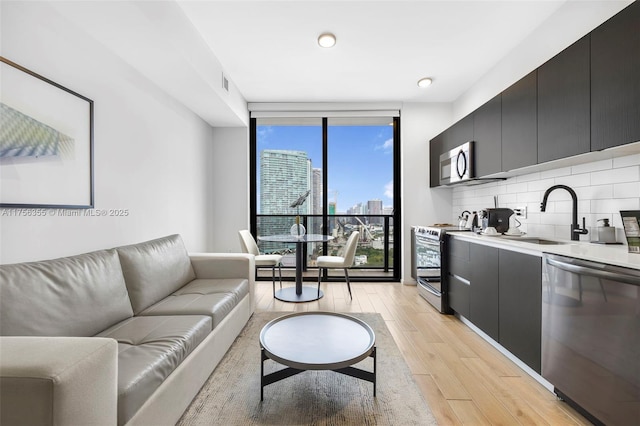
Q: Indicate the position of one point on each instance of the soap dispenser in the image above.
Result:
(606, 233)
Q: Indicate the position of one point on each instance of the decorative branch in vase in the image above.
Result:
(298, 229)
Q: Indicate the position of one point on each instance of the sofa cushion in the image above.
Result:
(149, 349)
(60, 297)
(154, 269)
(213, 297)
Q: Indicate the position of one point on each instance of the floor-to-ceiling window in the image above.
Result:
(348, 168)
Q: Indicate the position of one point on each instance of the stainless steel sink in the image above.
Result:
(534, 240)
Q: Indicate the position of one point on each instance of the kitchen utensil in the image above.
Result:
(499, 218)
(514, 224)
(514, 233)
(472, 221)
(462, 219)
(489, 230)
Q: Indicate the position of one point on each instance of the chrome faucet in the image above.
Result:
(575, 228)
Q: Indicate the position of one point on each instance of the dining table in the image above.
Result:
(299, 293)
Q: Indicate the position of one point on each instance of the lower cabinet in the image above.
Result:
(500, 292)
(459, 295)
(458, 267)
(483, 302)
(520, 302)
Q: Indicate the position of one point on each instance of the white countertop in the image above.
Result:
(611, 254)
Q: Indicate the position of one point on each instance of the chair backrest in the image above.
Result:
(247, 243)
(350, 249)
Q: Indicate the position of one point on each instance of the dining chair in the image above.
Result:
(248, 245)
(340, 262)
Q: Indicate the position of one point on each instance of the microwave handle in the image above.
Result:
(461, 155)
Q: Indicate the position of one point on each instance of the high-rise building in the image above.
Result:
(375, 207)
(284, 176)
(359, 210)
(316, 200)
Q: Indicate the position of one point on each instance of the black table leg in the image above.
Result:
(299, 263)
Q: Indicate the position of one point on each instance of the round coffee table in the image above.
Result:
(317, 341)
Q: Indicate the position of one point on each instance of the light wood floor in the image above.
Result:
(463, 378)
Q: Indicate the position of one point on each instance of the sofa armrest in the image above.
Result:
(58, 380)
(226, 265)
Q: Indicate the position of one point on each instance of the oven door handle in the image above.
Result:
(429, 289)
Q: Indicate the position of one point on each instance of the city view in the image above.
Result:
(360, 187)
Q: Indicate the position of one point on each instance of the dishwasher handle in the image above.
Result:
(598, 273)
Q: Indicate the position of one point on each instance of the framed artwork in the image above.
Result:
(631, 224)
(46, 142)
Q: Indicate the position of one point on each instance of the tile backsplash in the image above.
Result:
(603, 188)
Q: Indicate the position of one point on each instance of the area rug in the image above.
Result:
(231, 395)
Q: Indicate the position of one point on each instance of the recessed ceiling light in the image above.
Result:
(327, 40)
(425, 82)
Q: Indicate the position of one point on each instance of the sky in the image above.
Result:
(360, 159)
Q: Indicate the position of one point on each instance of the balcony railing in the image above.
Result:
(374, 253)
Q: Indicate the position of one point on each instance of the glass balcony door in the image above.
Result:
(348, 168)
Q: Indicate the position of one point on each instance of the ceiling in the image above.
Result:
(268, 50)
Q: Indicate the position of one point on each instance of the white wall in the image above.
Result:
(152, 156)
(420, 122)
(229, 200)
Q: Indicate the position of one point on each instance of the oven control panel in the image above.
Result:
(428, 232)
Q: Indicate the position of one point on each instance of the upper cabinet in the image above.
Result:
(436, 147)
(454, 136)
(520, 123)
(487, 134)
(459, 133)
(615, 80)
(586, 98)
(564, 103)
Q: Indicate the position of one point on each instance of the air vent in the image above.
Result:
(225, 83)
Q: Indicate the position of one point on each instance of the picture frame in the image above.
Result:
(631, 226)
(46, 142)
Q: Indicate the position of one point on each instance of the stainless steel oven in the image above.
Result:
(427, 246)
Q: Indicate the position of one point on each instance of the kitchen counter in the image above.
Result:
(611, 254)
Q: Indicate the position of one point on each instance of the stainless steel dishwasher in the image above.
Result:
(591, 337)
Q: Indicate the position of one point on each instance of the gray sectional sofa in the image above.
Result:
(121, 336)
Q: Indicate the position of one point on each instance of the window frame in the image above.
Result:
(397, 202)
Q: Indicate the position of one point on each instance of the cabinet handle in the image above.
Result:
(463, 280)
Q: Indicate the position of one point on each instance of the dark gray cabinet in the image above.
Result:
(615, 80)
(500, 292)
(459, 295)
(458, 270)
(564, 103)
(487, 134)
(520, 123)
(586, 98)
(436, 147)
(459, 133)
(472, 277)
(483, 299)
(520, 306)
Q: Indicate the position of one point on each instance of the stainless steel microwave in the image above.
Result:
(457, 164)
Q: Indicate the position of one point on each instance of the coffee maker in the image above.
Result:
(499, 218)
